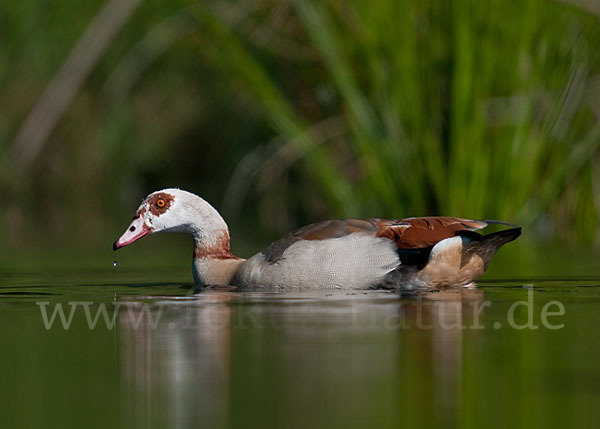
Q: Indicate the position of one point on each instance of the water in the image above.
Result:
(220, 358)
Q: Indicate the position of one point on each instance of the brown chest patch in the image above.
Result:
(218, 251)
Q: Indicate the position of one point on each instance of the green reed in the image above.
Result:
(298, 110)
(473, 108)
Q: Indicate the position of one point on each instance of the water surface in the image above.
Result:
(178, 357)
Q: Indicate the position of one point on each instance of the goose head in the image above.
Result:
(177, 210)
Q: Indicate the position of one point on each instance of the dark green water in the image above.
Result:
(176, 358)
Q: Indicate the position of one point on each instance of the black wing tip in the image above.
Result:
(516, 231)
(504, 236)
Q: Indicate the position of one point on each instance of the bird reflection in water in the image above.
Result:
(299, 351)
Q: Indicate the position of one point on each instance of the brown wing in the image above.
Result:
(410, 233)
(421, 232)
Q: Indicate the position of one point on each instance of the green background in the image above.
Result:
(281, 113)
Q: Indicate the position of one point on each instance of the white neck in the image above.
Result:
(203, 222)
(213, 262)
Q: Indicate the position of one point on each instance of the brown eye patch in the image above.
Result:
(160, 203)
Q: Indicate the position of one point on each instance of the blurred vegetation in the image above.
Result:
(286, 112)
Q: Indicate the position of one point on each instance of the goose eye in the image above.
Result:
(160, 203)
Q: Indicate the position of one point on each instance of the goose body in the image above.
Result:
(426, 252)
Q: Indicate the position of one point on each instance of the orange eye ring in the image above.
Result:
(160, 203)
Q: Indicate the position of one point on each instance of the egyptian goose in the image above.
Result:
(426, 252)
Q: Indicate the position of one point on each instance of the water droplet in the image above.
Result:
(115, 263)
